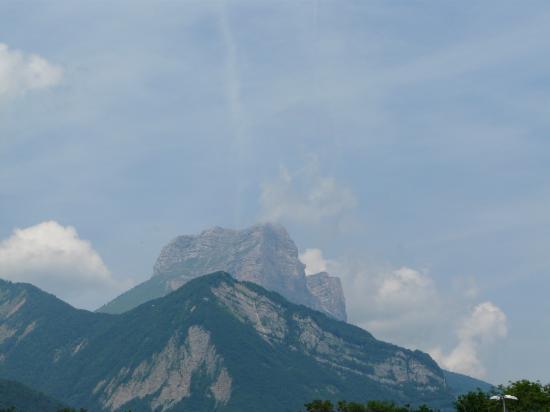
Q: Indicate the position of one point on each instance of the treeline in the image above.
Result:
(370, 406)
(532, 397)
(14, 409)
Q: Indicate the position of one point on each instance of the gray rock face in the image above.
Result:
(264, 254)
(167, 376)
(329, 294)
(395, 368)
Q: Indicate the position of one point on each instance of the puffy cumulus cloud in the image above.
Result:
(406, 307)
(314, 261)
(21, 72)
(484, 326)
(54, 258)
(403, 289)
(305, 196)
(401, 305)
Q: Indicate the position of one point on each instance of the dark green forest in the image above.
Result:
(532, 397)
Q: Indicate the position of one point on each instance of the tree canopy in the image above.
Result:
(532, 397)
(371, 406)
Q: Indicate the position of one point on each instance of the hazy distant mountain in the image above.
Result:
(461, 384)
(213, 344)
(263, 254)
(328, 293)
(24, 399)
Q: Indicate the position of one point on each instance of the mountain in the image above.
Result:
(329, 294)
(215, 344)
(24, 399)
(264, 254)
(461, 384)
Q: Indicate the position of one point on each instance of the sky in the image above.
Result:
(403, 144)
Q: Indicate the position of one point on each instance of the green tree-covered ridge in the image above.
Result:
(275, 355)
(16, 396)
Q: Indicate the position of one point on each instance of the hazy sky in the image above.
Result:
(404, 145)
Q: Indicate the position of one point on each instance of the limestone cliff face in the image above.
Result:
(386, 364)
(328, 292)
(166, 377)
(264, 254)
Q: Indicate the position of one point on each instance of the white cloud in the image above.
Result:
(402, 306)
(406, 307)
(314, 261)
(55, 259)
(484, 326)
(305, 196)
(21, 72)
(404, 288)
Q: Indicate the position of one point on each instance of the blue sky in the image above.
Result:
(406, 142)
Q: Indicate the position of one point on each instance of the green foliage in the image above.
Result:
(532, 396)
(371, 406)
(474, 401)
(72, 410)
(319, 406)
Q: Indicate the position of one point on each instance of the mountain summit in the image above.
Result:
(264, 254)
(215, 344)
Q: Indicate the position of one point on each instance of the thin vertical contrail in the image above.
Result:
(232, 79)
(234, 98)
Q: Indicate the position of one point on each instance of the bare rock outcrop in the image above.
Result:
(327, 290)
(264, 254)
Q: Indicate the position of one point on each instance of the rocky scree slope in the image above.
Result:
(214, 344)
(264, 254)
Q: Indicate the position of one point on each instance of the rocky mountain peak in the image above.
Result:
(263, 253)
(329, 293)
